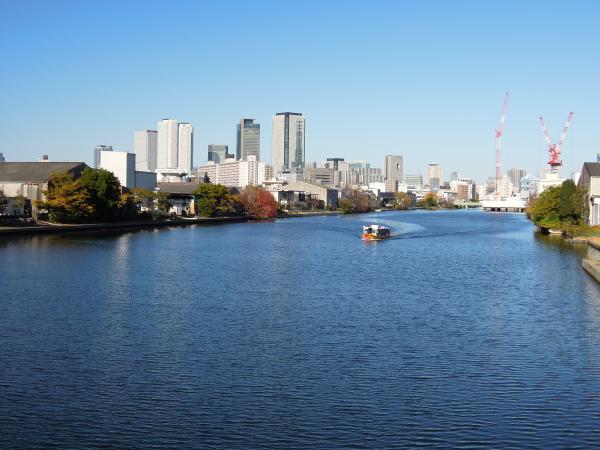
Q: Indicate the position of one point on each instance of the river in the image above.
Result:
(466, 329)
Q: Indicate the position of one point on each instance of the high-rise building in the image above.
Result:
(185, 148)
(248, 139)
(434, 177)
(515, 176)
(288, 142)
(414, 181)
(145, 147)
(393, 171)
(2, 158)
(167, 144)
(217, 152)
(97, 150)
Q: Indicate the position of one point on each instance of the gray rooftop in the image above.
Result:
(592, 168)
(37, 172)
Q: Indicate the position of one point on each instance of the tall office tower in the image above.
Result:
(2, 158)
(434, 176)
(167, 144)
(393, 172)
(515, 176)
(248, 139)
(144, 146)
(454, 176)
(217, 153)
(185, 148)
(97, 150)
(288, 142)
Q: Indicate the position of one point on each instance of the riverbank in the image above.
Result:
(135, 225)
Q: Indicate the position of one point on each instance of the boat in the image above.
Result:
(375, 232)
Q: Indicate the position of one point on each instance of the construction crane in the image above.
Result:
(499, 132)
(554, 149)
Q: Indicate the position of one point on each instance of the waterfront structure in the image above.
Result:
(145, 144)
(123, 166)
(515, 176)
(185, 148)
(304, 193)
(393, 170)
(589, 182)
(167, 144)
(434, 176)
(217, 153)
(248, 139)
(30, 179)
(288, 142)
(97, 150)
(510, 204)
(181, 197)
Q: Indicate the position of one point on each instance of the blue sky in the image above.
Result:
(423, 79)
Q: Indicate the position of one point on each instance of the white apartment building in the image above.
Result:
(122, 165)
(232, 173)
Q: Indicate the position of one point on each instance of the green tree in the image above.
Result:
(104, 190)
(144, 198)
(569, 203)
(214, 199)
(545, 210)
(3, 202)
(162, 202)
(402, 201)
(67, 200)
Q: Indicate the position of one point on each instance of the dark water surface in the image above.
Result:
(465, 330)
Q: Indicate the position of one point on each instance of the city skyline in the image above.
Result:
(435, 96)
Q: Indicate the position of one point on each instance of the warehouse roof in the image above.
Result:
(37, 172)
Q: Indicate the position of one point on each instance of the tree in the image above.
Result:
(3, 201)
(257, 202)
(104, 190)
(354, 201)
(430, 201)
(213, 199)
(569, 203)
(402, 201)
(67, 200)
(544, 211)
(144, 198)
(162, 202)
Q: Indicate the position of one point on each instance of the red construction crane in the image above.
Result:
(499, 132)
(554, 149)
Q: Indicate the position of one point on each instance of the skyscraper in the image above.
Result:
(2, 158)
(515, 176)
(288, 142)
(167, 144)
(145, 148)
(217, 153)
(97, 150)
(434, 177)
(248, 139)
(393, 172)
(185, 148)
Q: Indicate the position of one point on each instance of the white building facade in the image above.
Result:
(145, 148)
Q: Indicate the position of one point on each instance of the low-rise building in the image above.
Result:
(304, 193)
(122, 165)
(30, 179)
(589, 181)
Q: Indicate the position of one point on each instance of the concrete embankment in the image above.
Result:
(119, 226)
(592, 266)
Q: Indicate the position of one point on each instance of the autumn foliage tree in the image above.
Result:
(402, 201)
(257, 202)
(67, 200)
(354, 201)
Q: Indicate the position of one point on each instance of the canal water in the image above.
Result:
(466, 329)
